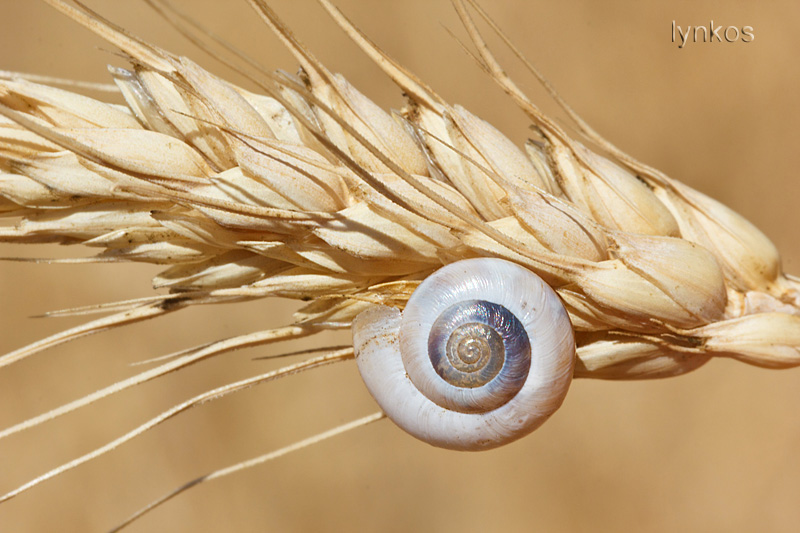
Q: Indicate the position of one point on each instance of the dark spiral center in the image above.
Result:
(474, 341)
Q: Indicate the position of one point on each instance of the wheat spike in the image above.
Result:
(303, 188)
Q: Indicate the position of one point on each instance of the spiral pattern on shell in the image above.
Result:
(482, 354)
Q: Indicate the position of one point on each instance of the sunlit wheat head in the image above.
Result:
(296, 184)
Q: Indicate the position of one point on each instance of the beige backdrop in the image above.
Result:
(715, 450)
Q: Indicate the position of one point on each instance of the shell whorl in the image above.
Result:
(482, 354)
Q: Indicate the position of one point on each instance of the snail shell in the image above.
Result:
(482, 355)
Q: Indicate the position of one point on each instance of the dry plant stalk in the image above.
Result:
(309, 190)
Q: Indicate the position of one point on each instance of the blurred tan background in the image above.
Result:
(715, 450)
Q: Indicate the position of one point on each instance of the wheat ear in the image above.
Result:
(306, 189)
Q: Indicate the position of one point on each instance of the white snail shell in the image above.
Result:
(482, 355)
